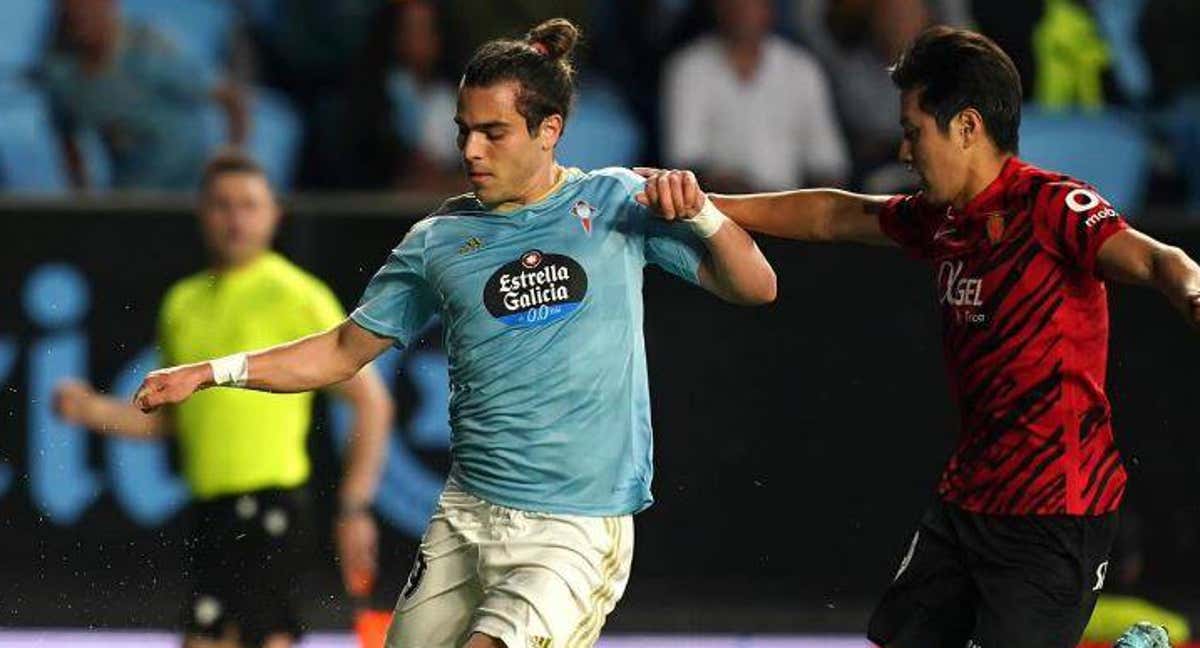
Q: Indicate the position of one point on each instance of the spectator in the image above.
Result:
(749, 110)
(856, 41)
(1071, 57)
(131, 86)
(397, 126)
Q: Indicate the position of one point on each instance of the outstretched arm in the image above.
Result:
(824, 215)
(306, 364)
(735, 269)
(1130, 256)
(78, 402)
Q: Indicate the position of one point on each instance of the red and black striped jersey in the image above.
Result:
(1025, 336)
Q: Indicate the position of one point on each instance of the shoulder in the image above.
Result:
(792, 54)
(143, 38)
(801, 69)
(698, 53)
(463, 205)
(295, 279)
(617, 177)
(460, 204)
(1051, 190)
(181, 292)
(614, 186)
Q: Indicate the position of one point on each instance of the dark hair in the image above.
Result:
(541, 64)
(956, 69)
(226, 161)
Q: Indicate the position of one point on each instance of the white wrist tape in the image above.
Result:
(231, 370)
(708, 221)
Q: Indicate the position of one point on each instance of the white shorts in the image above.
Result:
(532, 580)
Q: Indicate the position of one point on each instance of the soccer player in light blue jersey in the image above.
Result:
(537, 276)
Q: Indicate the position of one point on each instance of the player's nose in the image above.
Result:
(473, 146)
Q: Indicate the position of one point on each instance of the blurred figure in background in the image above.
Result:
(749, 110)
(243, 454)
(132, 87)
(856, 41)
(394, 131)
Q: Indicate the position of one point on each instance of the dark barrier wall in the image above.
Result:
(796, 444)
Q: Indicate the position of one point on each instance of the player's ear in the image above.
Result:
(550, 131)
(968, 127)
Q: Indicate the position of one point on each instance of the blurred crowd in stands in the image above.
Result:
(358, 95)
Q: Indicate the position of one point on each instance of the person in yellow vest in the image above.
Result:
(243, 453)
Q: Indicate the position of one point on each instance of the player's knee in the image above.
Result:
(480, 640)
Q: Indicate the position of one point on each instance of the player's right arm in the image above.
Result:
(819, 215)
(308, 363)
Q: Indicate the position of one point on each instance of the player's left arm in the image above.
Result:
(355, 531)
(1130, 256)
(734, 269)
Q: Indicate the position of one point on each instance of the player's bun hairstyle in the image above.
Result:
(541, 63)
(225, 161)
(957, 69)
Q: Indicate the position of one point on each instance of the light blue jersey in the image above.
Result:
(542, 313)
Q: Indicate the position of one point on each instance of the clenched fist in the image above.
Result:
(672, 194)
(171, 385)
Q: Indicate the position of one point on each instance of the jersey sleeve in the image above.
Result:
(674, 247)
(1073, 220)
(902, 219)
(399, 301)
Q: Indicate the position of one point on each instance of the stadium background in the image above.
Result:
(796, 444)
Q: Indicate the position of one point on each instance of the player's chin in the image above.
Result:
(482, 188)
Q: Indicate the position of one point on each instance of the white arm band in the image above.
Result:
(708, 221)
(233, 370)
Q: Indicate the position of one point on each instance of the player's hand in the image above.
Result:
(171, 385)
(73, 401)
(1194, 311)
(672, 194)
(357, 545)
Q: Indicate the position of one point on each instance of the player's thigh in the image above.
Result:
(442, 591)
(555, 584)
(439, 621)
(931, 600)
(1042, 592)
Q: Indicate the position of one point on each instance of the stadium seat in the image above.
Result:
(274, 138)
(24, 27)
(1104, 149)
(601, 131)
(201, 28)
(31, 160)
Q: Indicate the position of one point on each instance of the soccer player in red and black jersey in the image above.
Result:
(1014, 552)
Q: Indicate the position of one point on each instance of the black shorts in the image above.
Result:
(989, 581)
(247, 552)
